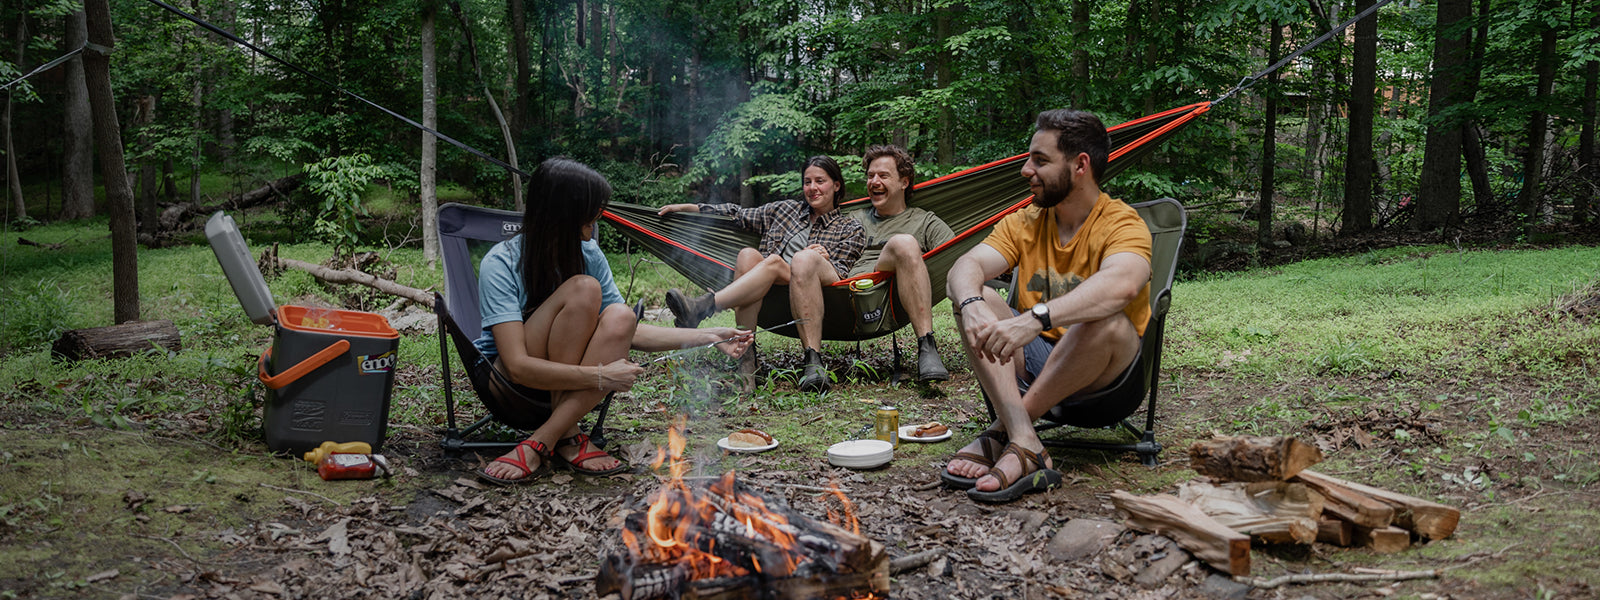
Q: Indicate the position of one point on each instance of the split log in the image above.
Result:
(350, 276)
(1428, 519)
(117, 341)
(1270, 511)
(1252, 458)
(1201, 535)
(1338, 532)
(1386, 540)
(1346, 504)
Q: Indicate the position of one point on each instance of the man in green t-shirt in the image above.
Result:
(897, 237)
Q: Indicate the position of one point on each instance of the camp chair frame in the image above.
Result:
(1167, 221)
(461, 227)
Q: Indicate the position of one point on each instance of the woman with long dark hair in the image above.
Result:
(787, 228)
(556, 326)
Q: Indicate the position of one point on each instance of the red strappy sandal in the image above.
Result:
(521, 462)
(576, 463)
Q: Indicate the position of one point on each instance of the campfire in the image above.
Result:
(720, 540)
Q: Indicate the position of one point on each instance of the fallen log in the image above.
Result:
(351, 276)
(1205, 538)
(177, 215)
(1428, 519)
(117, 341)
(1273, 512)
(1252, 458)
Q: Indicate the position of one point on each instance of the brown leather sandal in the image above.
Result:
(993, 443)
(1038, 478)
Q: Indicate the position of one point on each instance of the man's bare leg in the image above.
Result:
(998, 381)
(1089, 356)
(903, 257)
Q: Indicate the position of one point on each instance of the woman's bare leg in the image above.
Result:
(811, 272)
(612, 337)
(570, 313)
(745, 293)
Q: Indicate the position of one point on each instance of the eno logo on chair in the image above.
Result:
(510, 228)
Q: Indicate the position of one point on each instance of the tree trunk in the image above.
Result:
(1528, 201)
(494, 107)
(1477, 163)
(946, 153)
(143, 115)
(428, 187)
(77, 145)
(1439, 185)
(1590, 173)
(1080, 52)
(19, 208)
(197, 107)
(518, 10)
(1269, 142)
(108, 145)
(1358, 162)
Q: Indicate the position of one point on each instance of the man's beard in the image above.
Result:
(1052, 192)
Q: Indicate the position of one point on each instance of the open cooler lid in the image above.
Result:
(246, 279)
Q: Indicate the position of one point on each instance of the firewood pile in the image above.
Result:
(1260, 490)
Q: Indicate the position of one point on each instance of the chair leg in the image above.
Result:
(455, 442)
(597, 433)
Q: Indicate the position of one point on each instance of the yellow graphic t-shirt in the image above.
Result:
(1046, 269)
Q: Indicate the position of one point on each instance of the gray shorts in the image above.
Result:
(1038, 351)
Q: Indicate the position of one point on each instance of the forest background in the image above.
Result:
(1426, 118)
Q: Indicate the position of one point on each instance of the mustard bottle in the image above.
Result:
(316, 456)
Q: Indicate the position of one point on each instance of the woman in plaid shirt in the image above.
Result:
(787, 228)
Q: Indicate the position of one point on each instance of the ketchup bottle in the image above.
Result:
(352, 466)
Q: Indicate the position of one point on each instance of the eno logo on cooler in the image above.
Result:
(382, 363)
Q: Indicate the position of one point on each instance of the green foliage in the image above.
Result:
(339, 181)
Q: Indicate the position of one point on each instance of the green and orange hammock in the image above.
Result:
(705, 247)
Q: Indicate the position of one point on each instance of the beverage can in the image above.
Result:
(887, 425)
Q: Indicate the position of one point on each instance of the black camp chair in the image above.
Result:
(1114, 405)
(465, 234)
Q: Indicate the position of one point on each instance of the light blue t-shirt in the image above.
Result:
(500, 291)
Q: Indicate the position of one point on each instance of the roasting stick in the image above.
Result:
(684, 351)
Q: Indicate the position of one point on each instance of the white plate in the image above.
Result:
(723, 444)
(906, 432)
(861, 454)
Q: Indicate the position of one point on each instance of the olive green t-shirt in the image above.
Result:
(924, 226)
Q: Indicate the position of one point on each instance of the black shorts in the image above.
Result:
(1108, 403)
(506, 398)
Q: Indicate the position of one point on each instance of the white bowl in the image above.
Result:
(861, 454)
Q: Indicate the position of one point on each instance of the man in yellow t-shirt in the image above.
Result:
(1083, 289)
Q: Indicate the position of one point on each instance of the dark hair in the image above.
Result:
(563, 196)
(904, 166)
(829, 166)
(1078, 131)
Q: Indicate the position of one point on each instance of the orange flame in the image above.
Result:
(684, 526)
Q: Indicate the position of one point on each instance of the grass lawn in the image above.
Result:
(1464, 376)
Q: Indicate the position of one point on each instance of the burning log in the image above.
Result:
(719, 541)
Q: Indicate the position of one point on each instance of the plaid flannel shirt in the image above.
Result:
(775, 221)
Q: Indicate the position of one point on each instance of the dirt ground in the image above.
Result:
(156, 513)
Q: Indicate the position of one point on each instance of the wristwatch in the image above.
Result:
(1041, 311)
